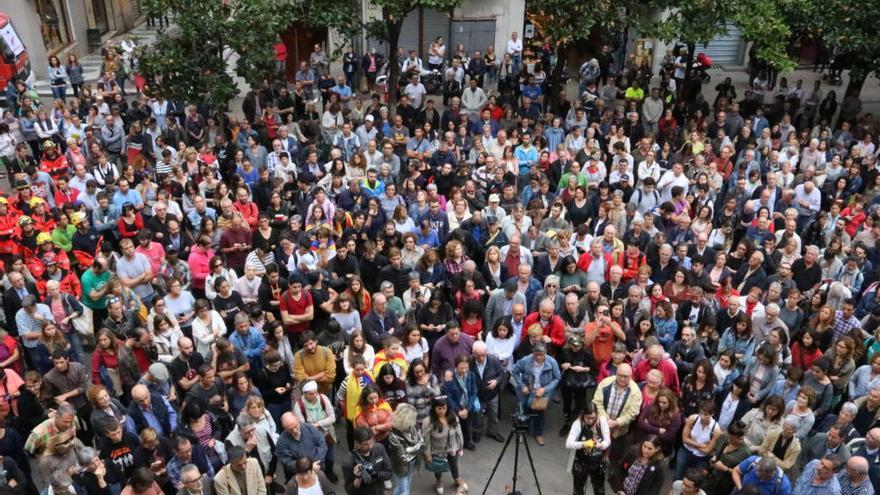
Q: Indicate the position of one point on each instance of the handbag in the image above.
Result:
(576, 380)
(539, 404)
(83, 323)
(439, 464)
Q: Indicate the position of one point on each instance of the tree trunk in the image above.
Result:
(684, 91)
(856, 81)
(555, 85)
(393, 68)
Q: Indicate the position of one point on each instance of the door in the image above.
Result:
(300, 41)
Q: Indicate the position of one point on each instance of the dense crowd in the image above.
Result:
(195, 302)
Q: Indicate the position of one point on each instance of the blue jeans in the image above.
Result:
(686, 460)
(76, 348)
(517, 63)
(58, 92)
(402, 483)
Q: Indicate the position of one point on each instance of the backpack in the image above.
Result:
(639, 196)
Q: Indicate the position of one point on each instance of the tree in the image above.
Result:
(697, 22)
(570, 21)
(388, 27)
(849, 28)
(189, 61)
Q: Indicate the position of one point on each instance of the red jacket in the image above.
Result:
(555, 328)
(666, 366)
(631, 265)
(62, 198)
(8, 228)
(69, 284)
(249, 212)
(586, 259)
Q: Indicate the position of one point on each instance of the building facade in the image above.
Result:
(59, 27)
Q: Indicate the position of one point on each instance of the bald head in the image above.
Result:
(857, 465)
(139, 393)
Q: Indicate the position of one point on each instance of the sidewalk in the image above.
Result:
(92, 62)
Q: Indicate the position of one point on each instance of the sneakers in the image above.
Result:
(564, 430)
(461, 487)
(540, 440)
(438, 487)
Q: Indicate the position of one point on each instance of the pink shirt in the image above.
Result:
(155, 253)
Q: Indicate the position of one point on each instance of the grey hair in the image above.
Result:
(86, 455)
(65, 408)
(404, 418)
(539, 347)
(243, 421)
(792, 420)
(765, 465)
(850, 408)
(551, 279)
(241, 318)
(479, 346)
(188, 468)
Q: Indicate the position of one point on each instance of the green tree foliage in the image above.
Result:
(387, 28)
(570, 21)
(849, 27)
(189, 61)
(697, 22)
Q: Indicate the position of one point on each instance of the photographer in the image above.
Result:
(587, 441)
(369, 467)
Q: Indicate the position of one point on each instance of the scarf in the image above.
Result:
(398, 361)
(353, 393)
(382, 405)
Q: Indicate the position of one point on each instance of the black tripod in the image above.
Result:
(519, 433)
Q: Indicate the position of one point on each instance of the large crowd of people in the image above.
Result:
(199, 303)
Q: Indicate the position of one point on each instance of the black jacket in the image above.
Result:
(376, 330)
(379, 474)
(12, 303)
(492, 371)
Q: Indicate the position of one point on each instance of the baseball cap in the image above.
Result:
(159, 371)
(494, 198)
(49, 260)
(370, 118)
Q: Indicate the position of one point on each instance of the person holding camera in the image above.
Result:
(537, 376)
(369, 467)
(587, 440)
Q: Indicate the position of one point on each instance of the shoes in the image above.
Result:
(477, 438)
(438, 487)
(497, 437)
(540, 440)
(564, 430)
(332, 477)
(470, 446)
(461, 487)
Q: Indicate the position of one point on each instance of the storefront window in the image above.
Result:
(54, 25)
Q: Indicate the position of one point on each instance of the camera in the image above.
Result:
(521, 420)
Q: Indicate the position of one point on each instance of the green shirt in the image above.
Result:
(92, 281)
(64, 238)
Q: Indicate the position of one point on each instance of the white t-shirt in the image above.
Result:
(133, 268)
(514, 46)
(416, 351)
(415, 92)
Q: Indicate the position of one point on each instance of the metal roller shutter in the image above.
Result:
(476, 35)
(434, 23)
(727, 49)
(409, 33)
